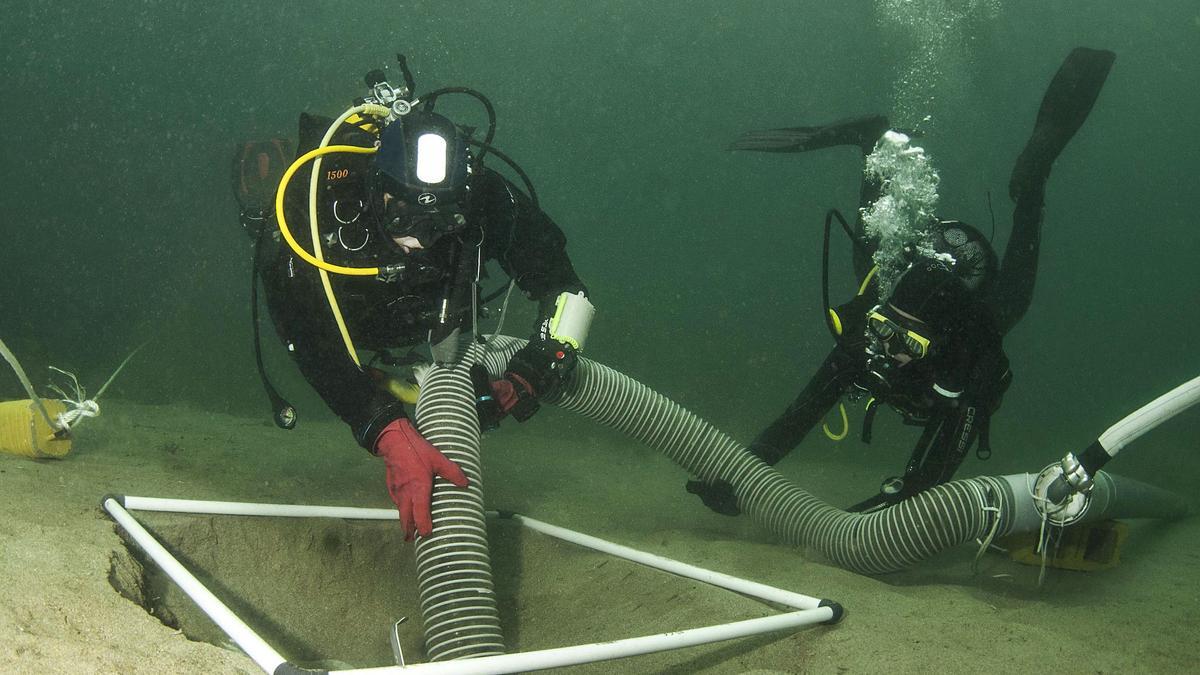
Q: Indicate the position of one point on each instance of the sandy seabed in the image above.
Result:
(324, 592)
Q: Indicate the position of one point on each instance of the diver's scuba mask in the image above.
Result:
(898, 338)
(421, 187)
(886, 339)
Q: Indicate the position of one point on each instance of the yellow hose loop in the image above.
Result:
(282, 222)
(836, 321)
(845, 426)
(867, 280)
(314, 179)
(317, 258)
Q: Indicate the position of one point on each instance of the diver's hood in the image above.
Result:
(930, 291)
(939, 298)
(975, 261)
(423, 160)
(421, 183)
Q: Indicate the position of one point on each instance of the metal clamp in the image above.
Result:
(1064, 511)
(1075, 475)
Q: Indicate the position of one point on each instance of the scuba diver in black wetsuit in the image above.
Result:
(404, 214)
(932, 348)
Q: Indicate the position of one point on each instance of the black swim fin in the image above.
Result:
(861, 131)
(257, 168)
(1065, 107)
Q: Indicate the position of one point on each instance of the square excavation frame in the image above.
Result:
(806, 610)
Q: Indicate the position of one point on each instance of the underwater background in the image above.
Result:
(119, 227)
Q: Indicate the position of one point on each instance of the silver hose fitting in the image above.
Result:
(1061, 492)
(1075, 475)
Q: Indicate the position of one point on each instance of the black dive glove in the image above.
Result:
(893, 491)
(717, 495)
(538, 370)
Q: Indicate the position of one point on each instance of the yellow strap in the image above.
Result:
(845, 425)
(363, 123)
(402, 390)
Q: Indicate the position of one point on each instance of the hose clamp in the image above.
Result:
(1075, 475)
(391, 273)
(1066, 512)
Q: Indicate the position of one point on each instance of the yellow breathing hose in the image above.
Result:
(281, 220)
(320, 151)
(316, 232)
(316, 258)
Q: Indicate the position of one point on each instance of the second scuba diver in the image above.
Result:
(932, 347)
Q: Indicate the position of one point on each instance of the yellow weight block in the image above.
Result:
(24, 432)
(1084, 548)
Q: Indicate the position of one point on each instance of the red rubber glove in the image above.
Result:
(505, 394)
(412, 462)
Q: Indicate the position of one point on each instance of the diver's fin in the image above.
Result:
(257, 168)
(1065, 106)
(860, 131)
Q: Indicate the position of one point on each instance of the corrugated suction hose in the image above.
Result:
(871, 543)
(454, 571)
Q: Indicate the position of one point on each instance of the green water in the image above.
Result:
(119, 225)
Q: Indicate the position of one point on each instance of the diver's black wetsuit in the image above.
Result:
(503, 225)
(953, 415)
(979, 370)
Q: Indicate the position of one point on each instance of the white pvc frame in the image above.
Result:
(808, 610)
